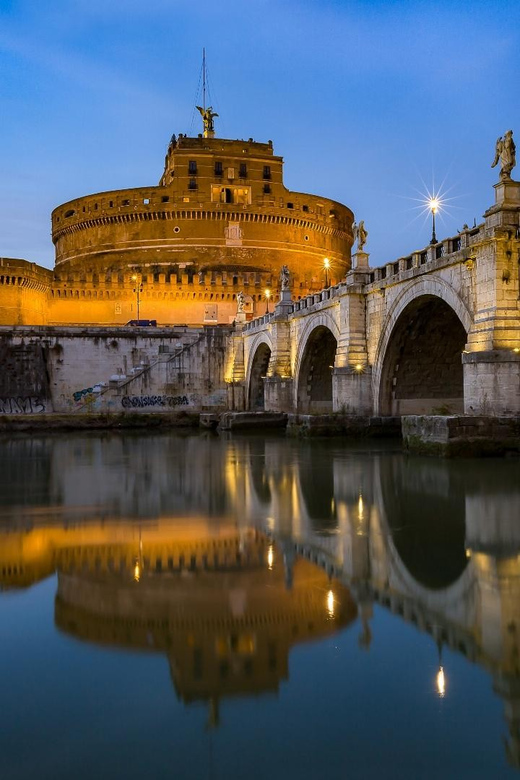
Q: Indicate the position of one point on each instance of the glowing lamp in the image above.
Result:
(326, 265)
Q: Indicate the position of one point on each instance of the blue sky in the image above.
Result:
(367, 102)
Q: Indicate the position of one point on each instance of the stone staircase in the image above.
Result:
(120, 383)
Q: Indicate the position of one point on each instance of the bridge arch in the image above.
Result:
(316, 356)
(260, 355)
(418, 367)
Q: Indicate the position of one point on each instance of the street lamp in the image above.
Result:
(267, 294)
(326, 265)
(138, 289)
(434, 207)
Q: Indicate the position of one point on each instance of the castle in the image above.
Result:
(220, 222)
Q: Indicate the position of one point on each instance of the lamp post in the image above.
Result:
(267, 296)
(434, 206)
(326, 265)
(138, 289)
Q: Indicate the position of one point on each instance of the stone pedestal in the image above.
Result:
(506, 211)
(352, 390)
(491, 382)
(507, 191)
(278, 394)
(240, 317)
(284, 306)
(360, 260)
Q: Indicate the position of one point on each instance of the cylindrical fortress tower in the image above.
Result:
(220, 221)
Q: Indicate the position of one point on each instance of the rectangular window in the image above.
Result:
(192, 167)
(267, 188)
(218, 169)
(267, 171)
(192, 184)
(243, 171)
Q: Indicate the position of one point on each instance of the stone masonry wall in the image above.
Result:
(94, 369)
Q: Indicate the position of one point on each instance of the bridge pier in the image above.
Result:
(278, 394)
(352, 390)
(492, 382)
(352, 376)
(492, 361)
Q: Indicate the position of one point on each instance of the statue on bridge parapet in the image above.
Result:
(241, 299)
(285, 275)
(285, 290)
(360, 234)
(505, 152)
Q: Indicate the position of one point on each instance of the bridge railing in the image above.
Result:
(258, 322)
(429, 255)
(318, 297)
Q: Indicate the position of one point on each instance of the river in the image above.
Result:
(196, 606)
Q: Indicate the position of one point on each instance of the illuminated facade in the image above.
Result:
(220, 222)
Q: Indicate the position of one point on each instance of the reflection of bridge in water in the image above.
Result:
(331, 530)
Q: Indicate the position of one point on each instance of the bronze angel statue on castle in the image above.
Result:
(207, 115)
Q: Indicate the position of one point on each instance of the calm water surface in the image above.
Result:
(201, 607)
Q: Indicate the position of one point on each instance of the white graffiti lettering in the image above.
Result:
(21, 405)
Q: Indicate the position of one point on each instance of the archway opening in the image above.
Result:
(256, 382)
(315, 377)
(422, 368)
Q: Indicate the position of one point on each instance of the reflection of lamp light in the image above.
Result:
(360, 507)
(326, 265)
(267, 294)
(330, 603)
(440, 679)
(270, 557)
(441, 683)
(138, 560)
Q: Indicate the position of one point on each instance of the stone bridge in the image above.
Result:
(436, 332)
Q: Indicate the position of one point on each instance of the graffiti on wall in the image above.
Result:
(140, 401)
(22, 405)
(79, 394)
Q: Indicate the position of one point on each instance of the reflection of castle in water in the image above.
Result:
(436, 543)
(226, 611)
